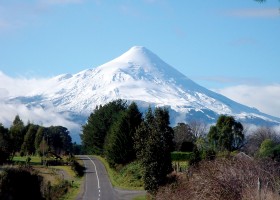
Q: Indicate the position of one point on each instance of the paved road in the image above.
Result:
(97, 184)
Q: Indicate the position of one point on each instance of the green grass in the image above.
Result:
(128, 177)
(35, 160)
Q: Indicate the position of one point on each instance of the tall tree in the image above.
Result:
(227, 134)
(153, 144)
(98, 126)
(28, 146)
(38, 138)
(119, 143)
(58, 139)
(5, 144)
(17, 133)
(183, 137)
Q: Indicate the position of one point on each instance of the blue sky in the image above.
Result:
(229, 46)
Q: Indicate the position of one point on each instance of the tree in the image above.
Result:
(17, 134)
(227, 134)
(256, 137)
(119, 143)
(266, 149)
(98, 126)
(5, 144)
(58, 139)
(153, 144)
(38, 139)
(183, 137)
(28, 146)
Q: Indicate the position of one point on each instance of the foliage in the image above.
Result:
(229, 178)
(28, 147)
(98, 126)
(183, 137)
(119, 144)
(153, 144)
(128, 177)
(55, 192)
(77, 167)
(20, 183)
(182, 156)
(255, 139)
(17, 134)
(227, 134)
(269, 149)
(5, 144)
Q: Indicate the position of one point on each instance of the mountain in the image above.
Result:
(139, 75)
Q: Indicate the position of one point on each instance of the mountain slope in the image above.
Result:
(139, 75)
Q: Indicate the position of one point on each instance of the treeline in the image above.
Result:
(118, 132)
(33, 139)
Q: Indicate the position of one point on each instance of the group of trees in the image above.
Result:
(32, 139)
(118, 132)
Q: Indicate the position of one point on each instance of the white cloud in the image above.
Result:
(47, 116)
(263, 97)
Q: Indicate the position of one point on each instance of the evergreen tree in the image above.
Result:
(227, 134)
(38, 138)
(99, 124)
(119, 144)
(17, 134)
(28, 146)
(5, 144)
(153, 144)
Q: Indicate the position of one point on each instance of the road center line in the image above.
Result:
(96, 172)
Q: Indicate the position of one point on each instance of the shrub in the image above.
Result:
(20, 183)
(78, 168)
(230, 178)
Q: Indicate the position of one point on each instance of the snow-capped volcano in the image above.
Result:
(139, 75)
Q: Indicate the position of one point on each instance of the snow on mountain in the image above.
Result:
(139, 75)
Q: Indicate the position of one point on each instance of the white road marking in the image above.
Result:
(95, 172)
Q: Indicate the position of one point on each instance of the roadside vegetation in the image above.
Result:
(188, 161)
(37, 162)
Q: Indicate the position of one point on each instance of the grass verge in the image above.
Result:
(128, 177)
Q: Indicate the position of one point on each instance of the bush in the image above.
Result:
(182, 156)
(231, 178)
(20, 183)
(55, 192)
(77, 168)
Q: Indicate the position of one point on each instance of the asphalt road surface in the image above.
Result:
(97, 184)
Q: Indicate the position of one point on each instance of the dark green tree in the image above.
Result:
(38, 139)
(99, 124)
(227, 134)
(119, 143)
(28, 146)
(17, 134)
(183, 137)
(5, 144)
(58, 139)
(153, 144)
